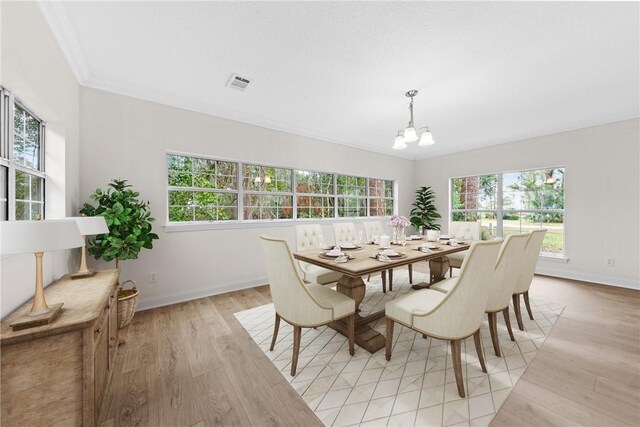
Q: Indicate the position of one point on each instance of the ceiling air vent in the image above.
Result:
(238, 82)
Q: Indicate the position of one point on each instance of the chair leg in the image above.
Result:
(493, 328)
(410, 274)
(526, 302)
(390, 279)
(368, 278)
(383, 273)
(479, 350)
(389, 339)
(351, 332)
(297, 331)
(507, 321)
(456, 350)
(276, 327)
(450, 271)
(516, 308)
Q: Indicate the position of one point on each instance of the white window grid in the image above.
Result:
(7, 106)
(240, 192)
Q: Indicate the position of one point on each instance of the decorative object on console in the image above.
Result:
(129, 221)
(20, 237)
(424, 214)
(89, 226)
(410, 134)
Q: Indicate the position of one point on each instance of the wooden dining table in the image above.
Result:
(362, 263)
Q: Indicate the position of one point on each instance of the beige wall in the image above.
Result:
(34, 69)
(127, 138)
(602, 193)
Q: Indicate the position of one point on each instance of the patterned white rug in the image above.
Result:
(417, 387)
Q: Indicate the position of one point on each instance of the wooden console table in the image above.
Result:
(58, 373)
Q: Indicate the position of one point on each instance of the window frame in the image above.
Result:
(8, 101)
(500, 211)
(241, 222)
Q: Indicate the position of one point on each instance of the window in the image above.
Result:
(315, 194)
(513, 202)
(202, 189)
(267, 192)
(209, 190)
(22, 176)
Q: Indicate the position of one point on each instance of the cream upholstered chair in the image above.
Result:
(529, 262)
(462, 230)
(507, 271)
(453, 316)
(300, 305)
(307, 237)
(345, 232)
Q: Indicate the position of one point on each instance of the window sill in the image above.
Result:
(559, 258)
(231, 225)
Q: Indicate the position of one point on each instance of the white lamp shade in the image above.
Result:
(20, 237)
(399, 143)
(410, 134)
(426, 139)
(91, 225)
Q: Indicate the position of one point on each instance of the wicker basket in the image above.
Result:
(127, 305)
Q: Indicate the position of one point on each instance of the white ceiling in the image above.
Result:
(487, 73)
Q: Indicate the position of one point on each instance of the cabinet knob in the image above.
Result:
(97, 331)
(110, 345)
(112, 338)
(107, 307)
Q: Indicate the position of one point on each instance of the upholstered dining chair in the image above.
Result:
(453, 316)
(462, 230)
(300, 305)
(507, 271)
(345, 232)
(529, 261)
(307, 237)
(374, 228)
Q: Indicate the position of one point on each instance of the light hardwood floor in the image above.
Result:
(193, 364)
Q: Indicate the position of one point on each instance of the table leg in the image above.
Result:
(438, 268)
(365, 336)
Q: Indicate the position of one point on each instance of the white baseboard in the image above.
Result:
(182, 296)
(591, 278)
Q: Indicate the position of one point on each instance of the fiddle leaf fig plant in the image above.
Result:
(424, 213)
(129, 221)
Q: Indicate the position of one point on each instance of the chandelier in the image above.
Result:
(410, 134)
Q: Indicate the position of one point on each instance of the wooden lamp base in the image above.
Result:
(83, 274)
(29, 321)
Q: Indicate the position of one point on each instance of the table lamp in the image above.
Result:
(19, 237)
(89, 226)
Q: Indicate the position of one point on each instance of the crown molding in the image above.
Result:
(58, 22)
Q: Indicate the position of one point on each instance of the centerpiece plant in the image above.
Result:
(398, 223)
(424, 212)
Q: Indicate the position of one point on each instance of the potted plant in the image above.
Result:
(424, 213)
(129, 221)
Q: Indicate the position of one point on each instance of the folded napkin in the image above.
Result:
(343, 258)
(381, 257)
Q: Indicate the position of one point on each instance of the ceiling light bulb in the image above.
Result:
(267, 179)
(426, 139)
(399, 143)
(410, 134)
(258, 180)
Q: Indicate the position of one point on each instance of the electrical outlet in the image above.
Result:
(153, 277)
(609, 261)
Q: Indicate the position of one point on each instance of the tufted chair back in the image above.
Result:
(464, 230)
(307, 236)
(345, 232)
(373, 228)
(291, 298)
(460, 313)
(508, 269)
(529, 260)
